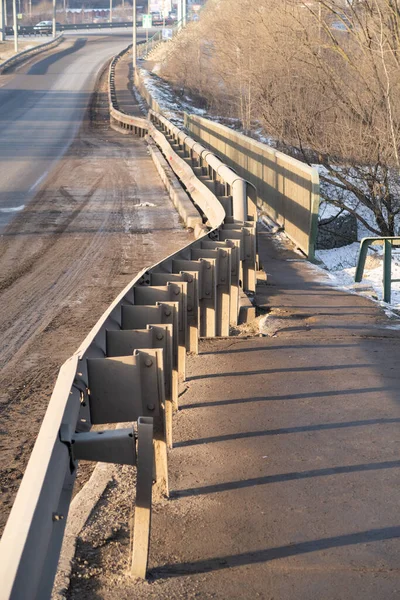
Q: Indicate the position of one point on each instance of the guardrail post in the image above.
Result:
(387, 271)
(239, 196)
(141, 527)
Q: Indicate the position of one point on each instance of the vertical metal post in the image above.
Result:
(2, 27)
(15, 26)
(134, 40)
(5, 16)
(239, 195)
(387, 272)
(111, 10)
(184, 13)
(54, 19)
(179, 14)
(141, 529)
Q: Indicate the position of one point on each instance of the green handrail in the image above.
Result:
(389, 243)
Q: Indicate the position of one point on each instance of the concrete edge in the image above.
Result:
(79, 513)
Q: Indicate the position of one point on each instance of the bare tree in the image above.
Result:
(323, 79)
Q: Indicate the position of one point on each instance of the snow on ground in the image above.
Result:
(172, 106)
(339, 262)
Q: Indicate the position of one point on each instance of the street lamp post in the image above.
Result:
(179, 14)
(15, 26)
(134, 39)
(54, 19)
(184, 12)
(2, 24)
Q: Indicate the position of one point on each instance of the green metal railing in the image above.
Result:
(389, 243)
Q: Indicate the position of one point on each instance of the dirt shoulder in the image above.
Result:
(63, 259)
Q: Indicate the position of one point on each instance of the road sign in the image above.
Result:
(167, 34)
(147, 22)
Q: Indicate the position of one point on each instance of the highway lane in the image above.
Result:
(41, 108)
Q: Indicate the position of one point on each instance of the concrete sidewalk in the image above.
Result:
(127, 101)
(285, 471)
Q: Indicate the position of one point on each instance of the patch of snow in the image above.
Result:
(341, 264)
(12, 209)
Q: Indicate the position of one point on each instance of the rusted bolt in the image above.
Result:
(160, 336)
(189, 279)
(208, 292)
(167, 312)
(177, 292)
(208, 266)
(151, 406)
(148, 362)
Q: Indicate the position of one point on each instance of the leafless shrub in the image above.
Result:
(323, 79)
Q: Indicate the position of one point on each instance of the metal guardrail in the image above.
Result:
(136, 125)
(389, 243)
(128, 369)
(30, 29)
(287, 189)
(31, 52)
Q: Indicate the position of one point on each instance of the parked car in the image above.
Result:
(46, 27)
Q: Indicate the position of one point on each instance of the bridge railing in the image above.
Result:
(389, 243)
(127, 370)
(287, 189)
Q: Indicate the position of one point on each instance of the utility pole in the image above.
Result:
(179, 14)
(15, 26)
(2, 24)
(54, 19)
(134, 40)
(184, 13)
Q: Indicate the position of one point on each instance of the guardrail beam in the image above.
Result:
(172, 292)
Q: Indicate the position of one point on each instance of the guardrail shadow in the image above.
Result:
(41, 67)
(269, 554)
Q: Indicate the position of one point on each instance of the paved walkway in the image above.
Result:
(285, 472)
(127, 102)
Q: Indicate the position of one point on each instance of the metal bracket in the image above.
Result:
(111, 446)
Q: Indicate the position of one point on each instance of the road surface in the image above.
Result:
(92, 220)
(41, 108)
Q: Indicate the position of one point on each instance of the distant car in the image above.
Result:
(46, 27)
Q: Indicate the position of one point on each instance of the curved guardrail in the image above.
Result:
(121, 120)
(127, 370)
(31, 52)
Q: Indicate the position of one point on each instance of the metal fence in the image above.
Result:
(287, 189)
(128, 369)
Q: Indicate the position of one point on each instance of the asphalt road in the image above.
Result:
(42, 105)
